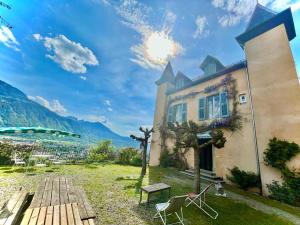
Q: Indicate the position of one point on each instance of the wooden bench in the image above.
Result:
(60, 190)
(66, 214)
(10, 212)
(88, 222)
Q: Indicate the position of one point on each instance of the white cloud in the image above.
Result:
(201, 31)
(83, 77)
(53, 105)
(110, 109)
(8, 38)
(107, 102)
(71, 56)
(241, 10)
(134, 15)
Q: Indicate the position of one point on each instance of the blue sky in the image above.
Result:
(98, 59)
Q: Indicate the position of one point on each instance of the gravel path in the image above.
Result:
(265, 208)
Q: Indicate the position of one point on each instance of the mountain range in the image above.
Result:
(17, 110)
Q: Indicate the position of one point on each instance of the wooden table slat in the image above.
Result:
(27, 217)
(42, 216)
(34, 216)
(63, 215)
(49, 215)
(55, 200)
(70, 215)
(56, 214)
(76, 214)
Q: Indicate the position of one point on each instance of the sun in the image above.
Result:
(160, 47)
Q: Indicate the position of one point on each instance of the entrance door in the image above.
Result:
(206, 159)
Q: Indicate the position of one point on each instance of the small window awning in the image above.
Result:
(204, 135)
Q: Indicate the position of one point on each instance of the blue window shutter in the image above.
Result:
(224, 104)
(184, 112)
(202, 108)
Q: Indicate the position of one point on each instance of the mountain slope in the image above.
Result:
(17, 110)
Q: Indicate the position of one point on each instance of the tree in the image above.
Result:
(103, 150)
(186, 138)
(143, 145)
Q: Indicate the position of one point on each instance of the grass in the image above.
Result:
(114, 193)
(265, 200)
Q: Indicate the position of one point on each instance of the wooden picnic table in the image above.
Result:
(159, 187)
(56, 201)
(66, 214)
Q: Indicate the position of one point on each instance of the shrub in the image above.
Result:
(279, 152)
(102, 151)
(282, 193)
(130, 156)
(244, 179)
(6, 149)
(167, 159)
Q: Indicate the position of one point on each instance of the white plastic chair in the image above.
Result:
(199, 201)
(173, 206)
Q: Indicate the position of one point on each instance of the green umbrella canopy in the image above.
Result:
(35, 130)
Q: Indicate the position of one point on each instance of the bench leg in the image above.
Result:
(148, 199)
(141, 196)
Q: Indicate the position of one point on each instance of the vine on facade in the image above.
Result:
(176, 131)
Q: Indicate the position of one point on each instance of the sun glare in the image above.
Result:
(160, 47)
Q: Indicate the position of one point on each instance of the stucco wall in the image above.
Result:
(276, 93)
(239, 149)
(160, 111)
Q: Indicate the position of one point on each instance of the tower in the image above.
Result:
(273, 81)
(165, 83)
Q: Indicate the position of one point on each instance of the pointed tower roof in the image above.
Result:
(167, 75)
(180, 75)
(263, 20)
(259, 15)
(210, 59)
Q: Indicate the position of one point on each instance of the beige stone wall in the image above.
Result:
(276, 94)
(160, 112)
(239, 149)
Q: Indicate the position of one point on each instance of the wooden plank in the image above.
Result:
(49, 216)
(91, 222)
(42, 216)
(10, 207)
(70, 191)
(85, 209)
(27, 217)
(76, 214)
(55, 192)
(70, 215)
(38, 196)
(47, 193)
(85, 222)
(13, 201)
(63, 215)
(34, 216)
(63, 195)
(56, 214)
(17, 208)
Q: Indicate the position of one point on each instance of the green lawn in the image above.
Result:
(113, 192)
(280, 205)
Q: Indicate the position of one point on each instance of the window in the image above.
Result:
(210, 68)
(179, 83)
(214, 106)
(243, 98)
(177, 113)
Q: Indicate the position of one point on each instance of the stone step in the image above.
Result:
(207, 177)
(202, 171)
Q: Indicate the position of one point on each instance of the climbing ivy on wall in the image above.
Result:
(233, 122)
(278, 153)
